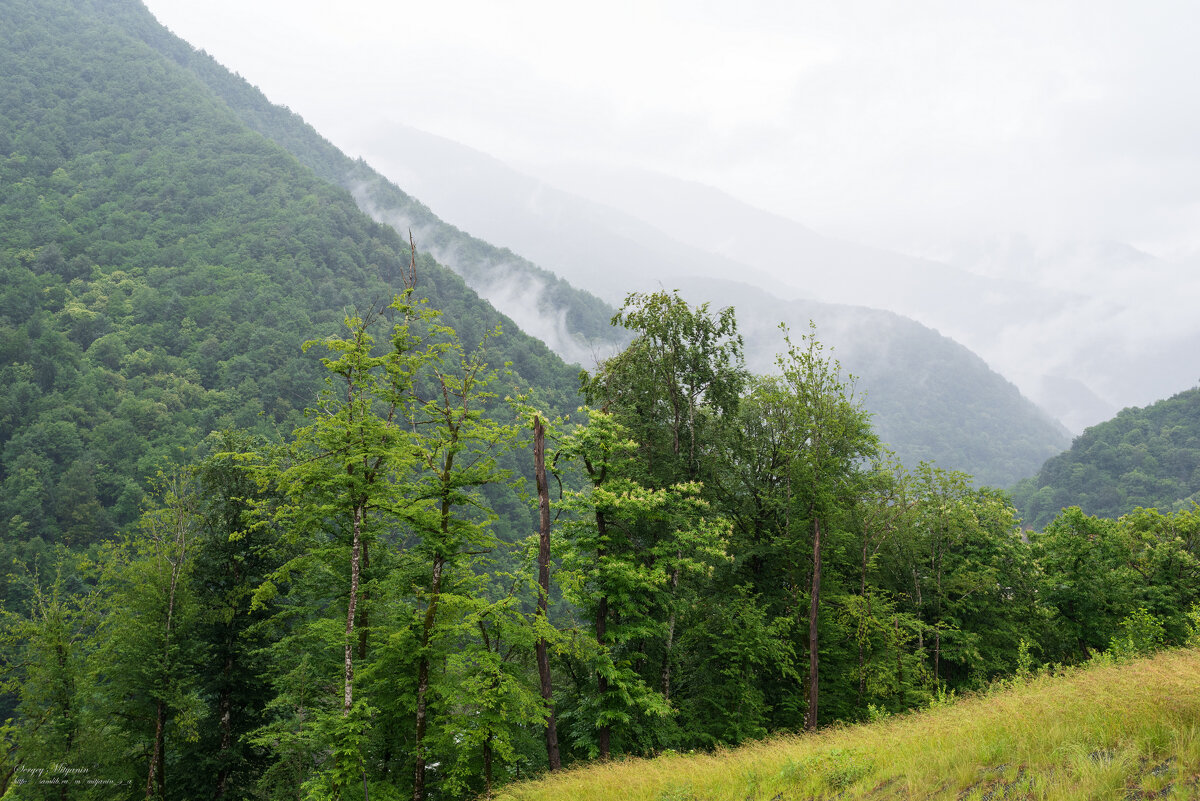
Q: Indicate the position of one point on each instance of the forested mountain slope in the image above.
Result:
(917, 379)
(573, 322)
(1147, 457)
(160, 266)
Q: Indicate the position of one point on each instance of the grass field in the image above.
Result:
(1109, 731)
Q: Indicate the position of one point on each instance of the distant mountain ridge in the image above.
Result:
(917, 380)
(565, 317)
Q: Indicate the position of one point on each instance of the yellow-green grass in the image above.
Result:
(1110, 731)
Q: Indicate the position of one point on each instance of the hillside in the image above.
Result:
(161, 264)
(1146, 457)
(1112, 731)
(574, 323)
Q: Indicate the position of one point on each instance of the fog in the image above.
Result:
(1039, 159)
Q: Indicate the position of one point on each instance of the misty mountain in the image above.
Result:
(574, 323)
(931, 398)
(916, 379)
(1083, 328)
(612, 229)
(1127, 337)
(1148, 457)
(625, 254)
(161, 264)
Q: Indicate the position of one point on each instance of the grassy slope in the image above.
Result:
(1113, 731)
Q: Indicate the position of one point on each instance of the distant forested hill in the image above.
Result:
(160, 265)
(1146, 457)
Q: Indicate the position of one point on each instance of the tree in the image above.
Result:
(543, 589)
(673, 388)
(828, 436)
(456, 446)
(617, 577)
(147, 662)
(350, 476)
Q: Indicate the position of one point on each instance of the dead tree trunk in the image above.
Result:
(543, 656)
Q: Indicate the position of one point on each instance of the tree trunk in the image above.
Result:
(355, 556)
(601, 638)
(543, 656)
(810, 721)
(666, 665)
(155, 778)
(423, 678)
(363, 624)
(225, 710)
(864, 622)
(487, 766)
(937, 652)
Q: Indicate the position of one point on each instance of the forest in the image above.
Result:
(288, 510)
(710, 556)
(1142, 457)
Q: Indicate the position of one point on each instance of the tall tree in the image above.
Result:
(618, 577)
(351, 476)
(457, 446)
(829, 437)
(543, 585)
(673, 388)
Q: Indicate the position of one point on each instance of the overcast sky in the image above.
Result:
(903, 124)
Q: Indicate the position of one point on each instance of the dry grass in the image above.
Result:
(1124, 731)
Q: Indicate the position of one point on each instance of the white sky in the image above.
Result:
(902, 124)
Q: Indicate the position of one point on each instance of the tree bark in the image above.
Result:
(666, 665)
(363, 624)
(602, 637)
(225, 708)
(810, 721)
(355, 556)
(864, 623)
(155, 777)
(543, 655)
(423, 678)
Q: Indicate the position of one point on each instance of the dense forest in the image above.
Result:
(161, 266)
(1142, 457)
(287, 510)
(719, 556)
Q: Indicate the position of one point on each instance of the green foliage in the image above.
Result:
(162, 263)
(1138, 634)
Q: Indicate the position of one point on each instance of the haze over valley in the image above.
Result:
(918, 161)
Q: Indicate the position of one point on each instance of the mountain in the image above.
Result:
(915, 379)
(1127, 337)
(931, 398)
(1147, 457)
(1111, 321)
(160, 265)
(574, 323)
